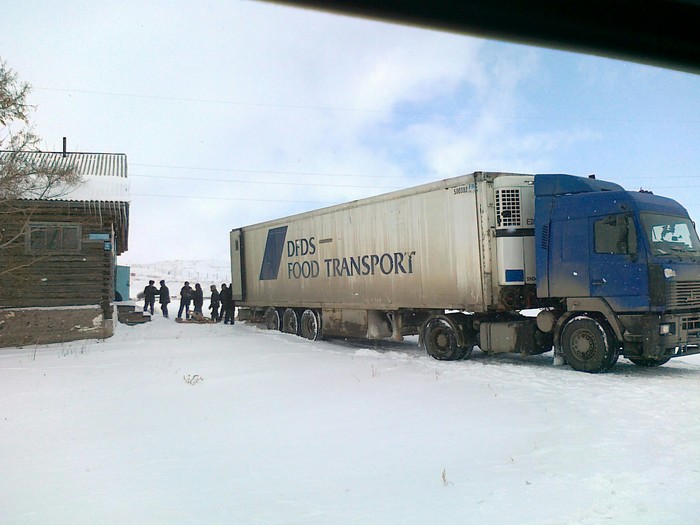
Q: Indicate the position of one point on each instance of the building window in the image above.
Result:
(53, 237)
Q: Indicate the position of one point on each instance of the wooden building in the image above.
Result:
(58, 255)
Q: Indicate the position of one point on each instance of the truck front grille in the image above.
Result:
(682, 295)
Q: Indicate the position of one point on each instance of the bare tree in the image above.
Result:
(24, 179)
(22, 176)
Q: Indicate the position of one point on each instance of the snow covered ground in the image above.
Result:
(173, 423)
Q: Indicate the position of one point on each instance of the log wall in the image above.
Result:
(58, 279)
(83, 277)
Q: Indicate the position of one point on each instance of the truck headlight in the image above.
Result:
(666, 328)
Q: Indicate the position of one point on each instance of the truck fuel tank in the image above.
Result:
(516, 336)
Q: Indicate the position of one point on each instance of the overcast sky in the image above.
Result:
(231, 113)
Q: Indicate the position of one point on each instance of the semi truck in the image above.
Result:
(507, 262)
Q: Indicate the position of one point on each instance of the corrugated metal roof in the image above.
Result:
(99, 164)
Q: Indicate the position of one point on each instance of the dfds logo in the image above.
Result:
(275, 248)
(277, 245)
(301, 247)
(299, 269)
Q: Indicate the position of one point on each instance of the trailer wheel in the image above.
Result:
(439, 338)
(290, 321)
(641, 361)
(310, 325)
(272, 318)
(588, 346)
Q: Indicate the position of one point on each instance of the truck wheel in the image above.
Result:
(588, 346)
(272, 318)
(310, 325)
(290, 322)
(440, 340)
(641, 361)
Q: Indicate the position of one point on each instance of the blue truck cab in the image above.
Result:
(619, 271)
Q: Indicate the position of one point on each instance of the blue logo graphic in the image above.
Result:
(273, 253)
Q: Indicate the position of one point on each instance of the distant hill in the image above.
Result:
(176, 273)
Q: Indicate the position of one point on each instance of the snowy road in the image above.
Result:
(168, 423)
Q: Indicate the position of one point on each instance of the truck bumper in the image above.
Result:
(661, 336)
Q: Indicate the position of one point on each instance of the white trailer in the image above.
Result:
(396, 264)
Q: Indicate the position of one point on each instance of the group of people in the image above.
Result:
(149, 295)
(223, 299)
(221, 304)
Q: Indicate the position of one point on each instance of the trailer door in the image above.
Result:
(237, 277)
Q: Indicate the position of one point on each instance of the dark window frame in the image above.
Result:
(53, 237)
(615, 235)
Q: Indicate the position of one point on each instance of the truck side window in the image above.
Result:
(615, 234)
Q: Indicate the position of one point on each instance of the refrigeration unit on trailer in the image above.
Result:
(455, 261)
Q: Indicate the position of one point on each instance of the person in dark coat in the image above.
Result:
(164, 294)
(232, 303)
(149, 296)
(214, 304)
(185, 300)
(198, 299)
(226, 302)
(224, 297)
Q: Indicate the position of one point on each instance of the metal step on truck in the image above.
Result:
(610, 272)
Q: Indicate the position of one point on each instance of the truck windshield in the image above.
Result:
(668, 235)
